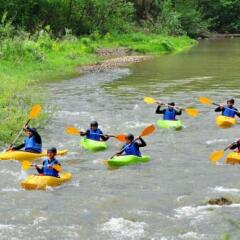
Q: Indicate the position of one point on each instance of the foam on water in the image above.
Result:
(225, 190)
(209, 142)
(10, 190)
(193, 235)
(121, 228)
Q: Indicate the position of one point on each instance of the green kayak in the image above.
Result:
(93, 145)
(178, 125)
(127, 160)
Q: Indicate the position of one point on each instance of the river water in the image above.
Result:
(163, 199)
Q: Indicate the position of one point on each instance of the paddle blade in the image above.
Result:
(148, 130)
(26, 165)
(36, 109)
(72, 131)
(205, 100)
(121, 137)
(192, 112)
(57, 167)
(149, 100)
(216, 155)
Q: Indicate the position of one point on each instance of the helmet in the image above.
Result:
(94, 124)
(171, 104)
(52, 150)
(231, 101)
(130, 137)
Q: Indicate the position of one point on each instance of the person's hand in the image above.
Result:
(221, 105)
(10, 148)
(137, 138)
(34, 165)
(160, 103)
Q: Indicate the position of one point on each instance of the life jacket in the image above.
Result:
(169, 114)
(94, 134)
(31, 145)
(229, 112)
(50, 171)
(132, 149)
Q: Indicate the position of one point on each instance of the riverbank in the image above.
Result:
(26, 62)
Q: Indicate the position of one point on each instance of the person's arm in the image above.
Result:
(142, 143)
(104, 137)
(39, 169)
(178, 111)
(159, 111)
(83, 133)
(219, 109)
(37, 138)
(233, 146)
(18, 147)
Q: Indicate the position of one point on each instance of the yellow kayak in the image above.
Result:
(233, 158)
(26, 156)
(38, 182)
(225, 122)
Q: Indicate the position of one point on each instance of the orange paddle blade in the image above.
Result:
(72, 130)
(36, 109)
(216, 155)
(205, 100)
(149, 100)
(121, 137)
(148, 130)
(192, 112)
(26, 165)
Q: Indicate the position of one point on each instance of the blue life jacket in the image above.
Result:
(48, 171)
(132, 149)
(94, 134)
(169, 114)
(229, 112)
(31, 145)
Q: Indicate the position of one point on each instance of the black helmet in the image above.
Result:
(52, 150)
(32, 130)
(130, 137)
(231, 101)
(171, 104)
(94, 124)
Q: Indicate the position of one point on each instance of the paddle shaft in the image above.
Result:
(19, 134)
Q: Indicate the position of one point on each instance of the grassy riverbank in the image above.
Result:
(26, 61)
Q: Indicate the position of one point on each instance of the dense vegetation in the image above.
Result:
(46, 39)
(193, 17)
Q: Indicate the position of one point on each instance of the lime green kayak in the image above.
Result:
(93, 145)
(177, 124)
(127, 160)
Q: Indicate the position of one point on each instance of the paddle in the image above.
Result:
(218, 154)
(146, 132)
(208, 101)
(26, 165)
(36, 109)
(74, 131)
(192, 112)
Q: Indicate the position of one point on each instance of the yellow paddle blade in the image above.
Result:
(149, 100)
(193, 112)
(36, 109)
(72, 131)
(148, 130)
(121, 137)
(205, 100)
(216, 155)
(57, 167)
(26, 165)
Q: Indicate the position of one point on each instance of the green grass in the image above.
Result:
(26, 62)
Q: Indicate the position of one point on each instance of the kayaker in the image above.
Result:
(32, 143)
(235, 145)
(94, 133)
(170, 112)
(49, 165)
(132, 146)
(229, 110)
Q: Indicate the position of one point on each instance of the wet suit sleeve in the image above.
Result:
(219, 109)
(19, 147)
(234, 146)
(159, 111)
(237, 113)
(40, 169)
(178, 112)
(142, 143)
(84, 133)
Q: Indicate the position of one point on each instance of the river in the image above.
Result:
(160, 200)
